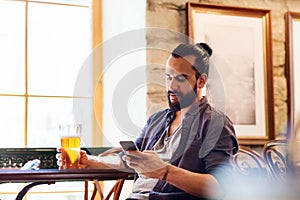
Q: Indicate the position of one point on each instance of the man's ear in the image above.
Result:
(202, 80)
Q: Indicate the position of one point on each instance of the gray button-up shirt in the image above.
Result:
(206, 145)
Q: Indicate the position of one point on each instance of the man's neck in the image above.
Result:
(181, 113)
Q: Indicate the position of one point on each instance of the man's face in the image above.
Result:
(181, 82)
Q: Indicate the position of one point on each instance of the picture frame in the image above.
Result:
(239, 37)
(292, 20)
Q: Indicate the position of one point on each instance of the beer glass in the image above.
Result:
(70, 141)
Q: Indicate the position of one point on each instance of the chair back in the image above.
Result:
(249, 164)
(275, 154)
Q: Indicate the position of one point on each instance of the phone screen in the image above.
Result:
(128, 145)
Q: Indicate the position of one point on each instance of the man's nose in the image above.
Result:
(172, 85)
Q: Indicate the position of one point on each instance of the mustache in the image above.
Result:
(177, 93)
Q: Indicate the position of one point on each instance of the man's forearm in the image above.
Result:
(105, 162)
(201, 185)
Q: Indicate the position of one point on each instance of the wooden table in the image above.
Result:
(50, 176)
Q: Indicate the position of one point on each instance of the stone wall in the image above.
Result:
(171, 15)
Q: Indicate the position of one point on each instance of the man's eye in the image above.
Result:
(180, 78)
(168, 78)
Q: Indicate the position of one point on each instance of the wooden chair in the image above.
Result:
(249, 164)
(115, 190)
(275, 154)
(250, 175)
(256, 172)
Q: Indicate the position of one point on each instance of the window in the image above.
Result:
(44, 77)
(43, 49)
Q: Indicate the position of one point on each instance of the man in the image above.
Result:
(185, 150)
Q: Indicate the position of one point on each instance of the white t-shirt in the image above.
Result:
(165, 148)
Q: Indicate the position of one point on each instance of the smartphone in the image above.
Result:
(128, 145)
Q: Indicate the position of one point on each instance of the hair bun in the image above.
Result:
(205, 47)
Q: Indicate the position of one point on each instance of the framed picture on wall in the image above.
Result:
(242, 57)
(293, 69)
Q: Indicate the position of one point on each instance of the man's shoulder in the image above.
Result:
(215, 116)
(215, 112)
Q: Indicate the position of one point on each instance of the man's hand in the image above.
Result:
(61, 159)
(147, 163)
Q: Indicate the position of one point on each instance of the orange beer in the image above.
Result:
(72, 148)
(70, 141)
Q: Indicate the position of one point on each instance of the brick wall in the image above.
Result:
(171, 15)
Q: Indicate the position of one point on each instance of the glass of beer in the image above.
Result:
(70, 141)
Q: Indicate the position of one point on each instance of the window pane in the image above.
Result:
(12, 121)
(60, 41)
(71, 2)
(10, 190)
(12, 47)
(57, 196)
(45, 115)
(60, 190)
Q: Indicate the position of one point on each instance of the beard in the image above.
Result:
(185, 101)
